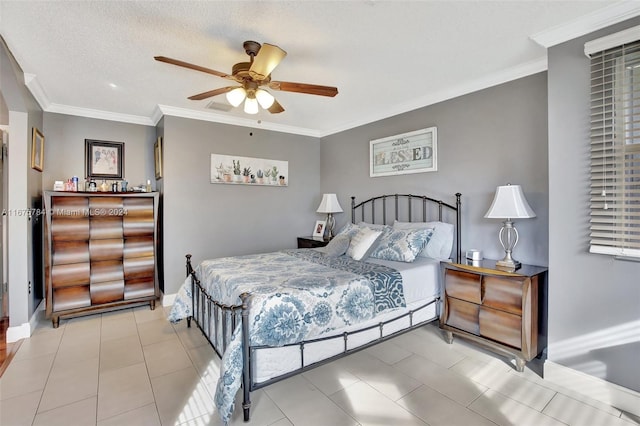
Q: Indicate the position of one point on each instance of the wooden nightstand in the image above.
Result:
(504, 311)
(311, 242)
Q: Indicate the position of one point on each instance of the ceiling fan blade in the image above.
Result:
(211, 93)
(276, 108)
(311, 89)
(192, 66)
(267, 59)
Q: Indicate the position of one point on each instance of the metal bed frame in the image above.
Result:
(225, 317)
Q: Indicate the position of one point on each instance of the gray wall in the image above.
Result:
(594, 305)
(64, 147)
(485, 139)
(213, 220)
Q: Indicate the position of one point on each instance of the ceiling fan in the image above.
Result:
(251, 76)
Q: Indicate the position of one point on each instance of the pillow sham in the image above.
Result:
(441, 242)
(349, 229)
(402, 245)
(337, 246)
(362, 243)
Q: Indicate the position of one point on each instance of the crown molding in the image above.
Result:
(236, 121)
(504, 76)
(34, 86)
(99, 114)
(589, 23)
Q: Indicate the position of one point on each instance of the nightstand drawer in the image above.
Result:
(501, 326)
(463, 315)
(463, 285)
(503, 293)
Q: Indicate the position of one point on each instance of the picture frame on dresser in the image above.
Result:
(318, 228)
(104, 159)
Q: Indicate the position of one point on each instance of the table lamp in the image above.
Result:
(329, 205)
(509, 203)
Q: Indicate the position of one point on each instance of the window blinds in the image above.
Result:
(615, 151)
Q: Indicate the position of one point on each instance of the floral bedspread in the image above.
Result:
(295, 295)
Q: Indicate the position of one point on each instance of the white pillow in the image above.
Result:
(441, 242)
(337, 246)
(363, 243)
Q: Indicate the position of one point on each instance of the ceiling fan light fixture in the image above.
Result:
(236, 96)
(265, 99)
(251, 106)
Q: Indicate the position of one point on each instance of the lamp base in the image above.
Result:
(508, 264)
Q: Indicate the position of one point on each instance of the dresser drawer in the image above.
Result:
(463, 315)
(501, 326)
(463, 285)
(503, 293)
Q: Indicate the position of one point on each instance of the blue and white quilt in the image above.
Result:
(296, 295)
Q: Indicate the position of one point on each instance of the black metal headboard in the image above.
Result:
(410, 208)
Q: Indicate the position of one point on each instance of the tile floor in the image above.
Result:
(132, 367)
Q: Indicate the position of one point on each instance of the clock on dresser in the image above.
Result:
(504, 311)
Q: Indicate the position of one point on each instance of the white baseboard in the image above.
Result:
(168, 299)
(593, 387)
(22, 331)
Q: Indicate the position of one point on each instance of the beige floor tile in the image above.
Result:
(143, 416)
(122, 352)
(81, 413)
(181, 396)
(443, 354)
(573, 412)
(69, 383)
(370, 407)
(330, 378)
(263, 412)
(166, 357)
(123, 389)
(39, 344)
(156, 330)
(19, 410)
(388, 352)
(438, 410)
(79, 345)
(508, 412)
(385, 378)
(191, 337)
(145, 313)
(458, 388)
(83, 325)
(207, 364)
(304, 404)
(25, 376)
(117, 325)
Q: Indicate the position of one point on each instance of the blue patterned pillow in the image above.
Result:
(402, 245)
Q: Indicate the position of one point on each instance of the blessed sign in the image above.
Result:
(413, 152)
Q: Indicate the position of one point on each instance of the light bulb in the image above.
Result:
(236, 96)
(264, 98)
(251, 106)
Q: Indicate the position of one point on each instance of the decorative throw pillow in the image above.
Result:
(349, 229)
(362, 243)
(337, 246)
(441, 242)
(402, 245)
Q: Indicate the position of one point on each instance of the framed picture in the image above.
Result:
(413, 152)
(232, 169)
(104, 159)
(157, 155)
(318, 229)
(37, 150)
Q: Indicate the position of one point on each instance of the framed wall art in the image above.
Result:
(233, 169)
(157, 155)
(37, 150)
(104, 159)
(412, 152)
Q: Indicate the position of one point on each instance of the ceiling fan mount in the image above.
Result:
(251, 75)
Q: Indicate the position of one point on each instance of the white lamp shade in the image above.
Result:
(265, 99)
(329, 204)
(236, 96)
(509, 203)
(251, 106)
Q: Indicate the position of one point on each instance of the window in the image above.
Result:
(615, 149)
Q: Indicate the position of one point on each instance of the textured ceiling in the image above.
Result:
(386, 57)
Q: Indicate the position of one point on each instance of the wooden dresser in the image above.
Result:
(504, 311)
(100, 252)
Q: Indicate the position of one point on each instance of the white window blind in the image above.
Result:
(615, 151)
